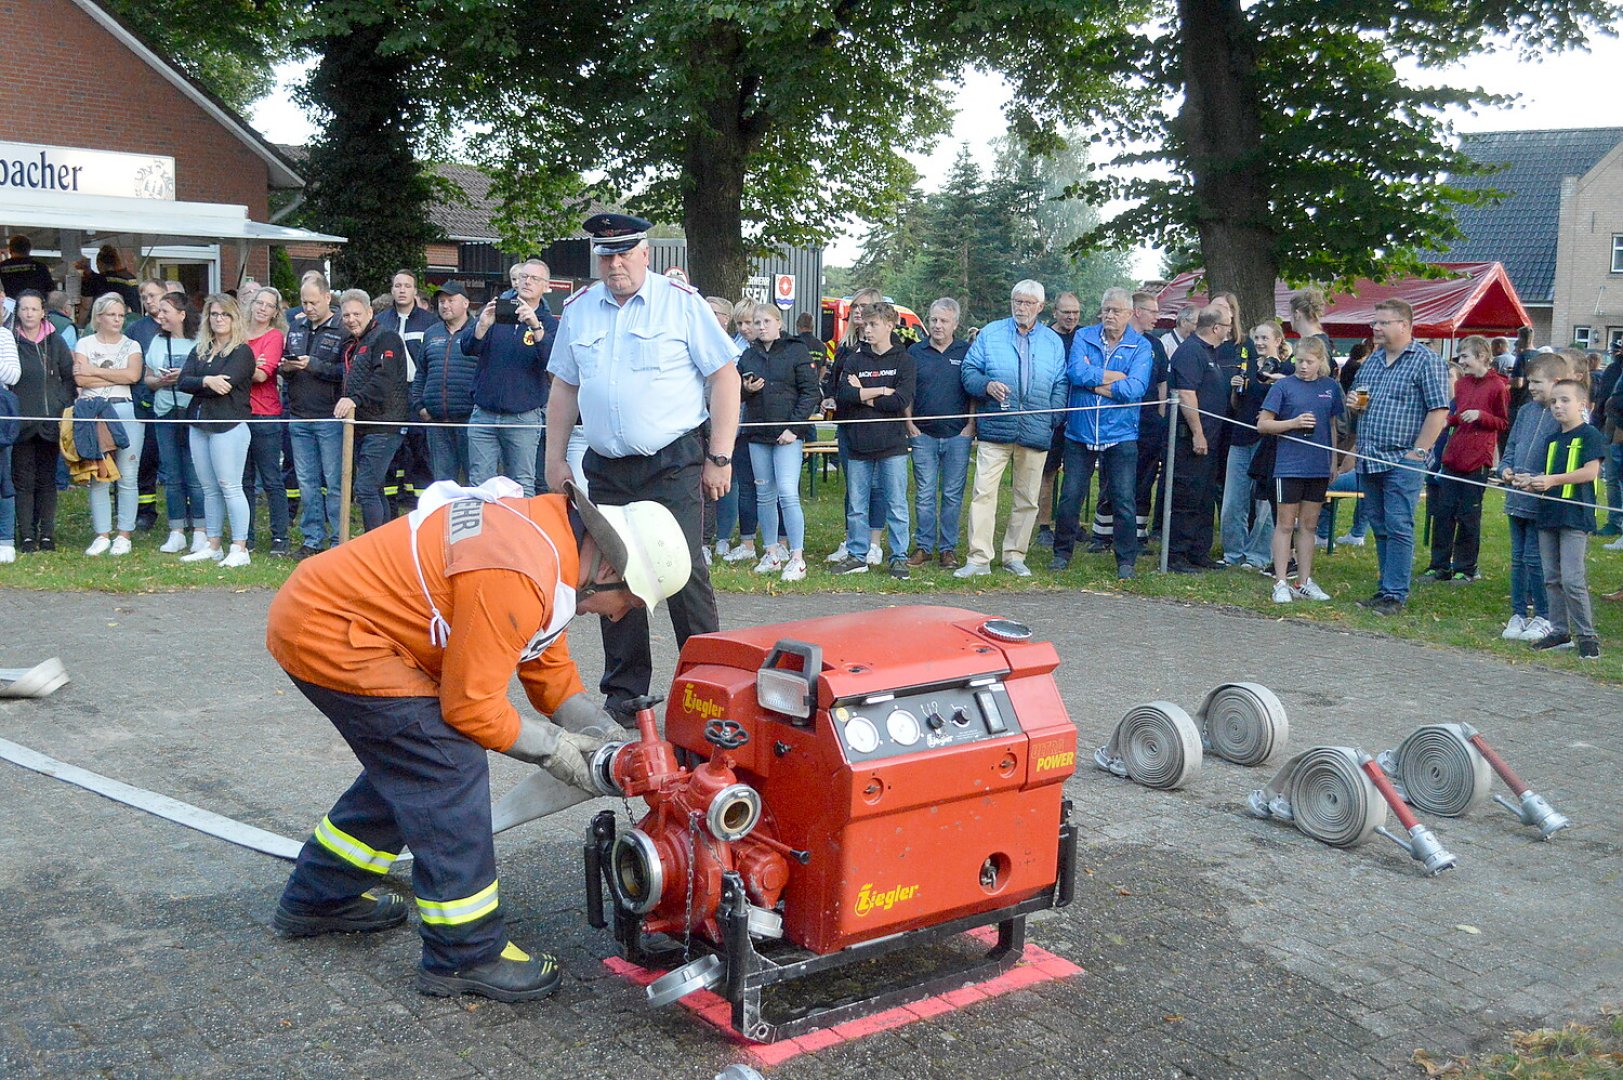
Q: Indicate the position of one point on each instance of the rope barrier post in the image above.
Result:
(1166, 478)
(347, 485)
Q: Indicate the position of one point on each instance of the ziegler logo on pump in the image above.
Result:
(868, 900)
(704, 707)
(1049, 756)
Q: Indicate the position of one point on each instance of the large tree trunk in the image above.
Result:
(1221, 125)
(718, 144)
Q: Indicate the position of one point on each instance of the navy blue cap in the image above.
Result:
(451, 288)
(615, 233)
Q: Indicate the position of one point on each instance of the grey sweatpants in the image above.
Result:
(1566, 582)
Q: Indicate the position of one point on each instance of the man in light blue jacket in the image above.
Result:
(1109, 370)
(1015, 372)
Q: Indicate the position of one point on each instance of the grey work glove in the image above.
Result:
(564, 754)
(584, 716)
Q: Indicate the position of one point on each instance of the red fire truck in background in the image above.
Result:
(837, 312)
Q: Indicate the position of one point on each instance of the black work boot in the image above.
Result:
(368, 911)
(515, 975)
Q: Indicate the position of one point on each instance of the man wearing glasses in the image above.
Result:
(510, 382)
(1402, 390)
(1109, 366)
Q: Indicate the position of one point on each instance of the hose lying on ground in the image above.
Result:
(1244, 722)
(1156, 745)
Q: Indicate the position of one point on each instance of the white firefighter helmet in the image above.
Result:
(641, 540)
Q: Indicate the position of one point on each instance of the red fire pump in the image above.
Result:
(833, 790)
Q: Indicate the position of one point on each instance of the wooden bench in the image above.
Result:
(817, 458)
(1330, 500)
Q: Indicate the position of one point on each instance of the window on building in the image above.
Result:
(1582, 336)
(1617, 253)
(1614, 336)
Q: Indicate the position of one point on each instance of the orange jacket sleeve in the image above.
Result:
(496, 614)
(551, 678)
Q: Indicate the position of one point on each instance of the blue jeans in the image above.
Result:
(940, 468)
(504, 451)
(448, 453)
(1246, 538)
(733, 508)
(1392, 497)
(863, 477)
(182, 493)
(1118, 479)
(221, 458)
(318, 461)
(265, 469)
(876, 497)
(128, 461)
(1348, 481)
(777, 480)
(373, 455)
(1526, 570)
(8, 503)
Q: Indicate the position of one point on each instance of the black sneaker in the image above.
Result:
(1373, 601)
(1434, 574)
(1555, 639)
(851, 565)
(47, 543)
(28, 546)
(280, 547)
(1045, 537)
(1388, 605)
(1589, 649)
(1098, 547)
(368, 911)
(1184, 566)
(305, 551)
(899, 570)
(515, 975)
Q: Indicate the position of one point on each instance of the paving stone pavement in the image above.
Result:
(1215, 945)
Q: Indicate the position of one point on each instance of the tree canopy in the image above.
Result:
(229, 46)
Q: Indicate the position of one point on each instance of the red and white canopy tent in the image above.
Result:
(1475, 298)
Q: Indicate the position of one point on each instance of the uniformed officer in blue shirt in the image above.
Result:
(636, 357)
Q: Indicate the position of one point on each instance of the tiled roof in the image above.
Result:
(467, 218)
(1520, 231)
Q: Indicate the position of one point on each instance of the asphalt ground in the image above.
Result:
(1214, 944)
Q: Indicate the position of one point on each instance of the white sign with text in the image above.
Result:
(73, 171)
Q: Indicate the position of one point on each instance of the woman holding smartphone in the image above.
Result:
(183, 495)
(219, 374)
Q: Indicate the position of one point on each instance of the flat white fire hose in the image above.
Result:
(41, 680)
(1244, 722)
(1326, 794)
(1438, 770)
(1156, 745)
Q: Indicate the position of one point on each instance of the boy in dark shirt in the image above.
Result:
(876, 384)
(1564, 519)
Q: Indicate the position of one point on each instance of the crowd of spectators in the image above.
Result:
(1264, 426)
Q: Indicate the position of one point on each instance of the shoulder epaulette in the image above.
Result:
(578, 295)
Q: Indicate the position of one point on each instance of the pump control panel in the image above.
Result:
(886, 725)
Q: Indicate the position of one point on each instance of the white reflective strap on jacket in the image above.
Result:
(456, 912)
(351, 850)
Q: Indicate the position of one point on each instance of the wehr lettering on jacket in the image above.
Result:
(464, 519)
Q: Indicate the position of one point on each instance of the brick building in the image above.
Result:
(102, 140)
(1559, 230)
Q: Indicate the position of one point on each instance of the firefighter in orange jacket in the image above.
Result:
(407, 639)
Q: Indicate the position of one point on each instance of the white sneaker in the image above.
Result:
(1321, 542)
(238, 557)
(722, 547)
(1350, 540)
(1309, 590)
(1615, 545)
(207, 554)
(1514, 628)
(175, 544)
(771, 562)
(1282, 592)
(741, 553)
(1537, 627)
(8, 553)
(794, 569)
(98, 546)
(972, 569)
(121, 546)
(839, 554)
(876, 555)
(200, 541)
(1017, 567)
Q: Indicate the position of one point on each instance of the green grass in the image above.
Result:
(1573, 1051)
(1465, 616)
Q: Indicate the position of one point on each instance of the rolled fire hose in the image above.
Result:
(1244, 722)
(1339, 795)
(1156, 745)
(1438, 770)
(1450, 765)
(41, 680)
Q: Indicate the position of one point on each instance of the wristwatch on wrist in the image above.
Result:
(719, 459)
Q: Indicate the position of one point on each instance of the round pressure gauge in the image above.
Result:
(861, 735)
(903, 726)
